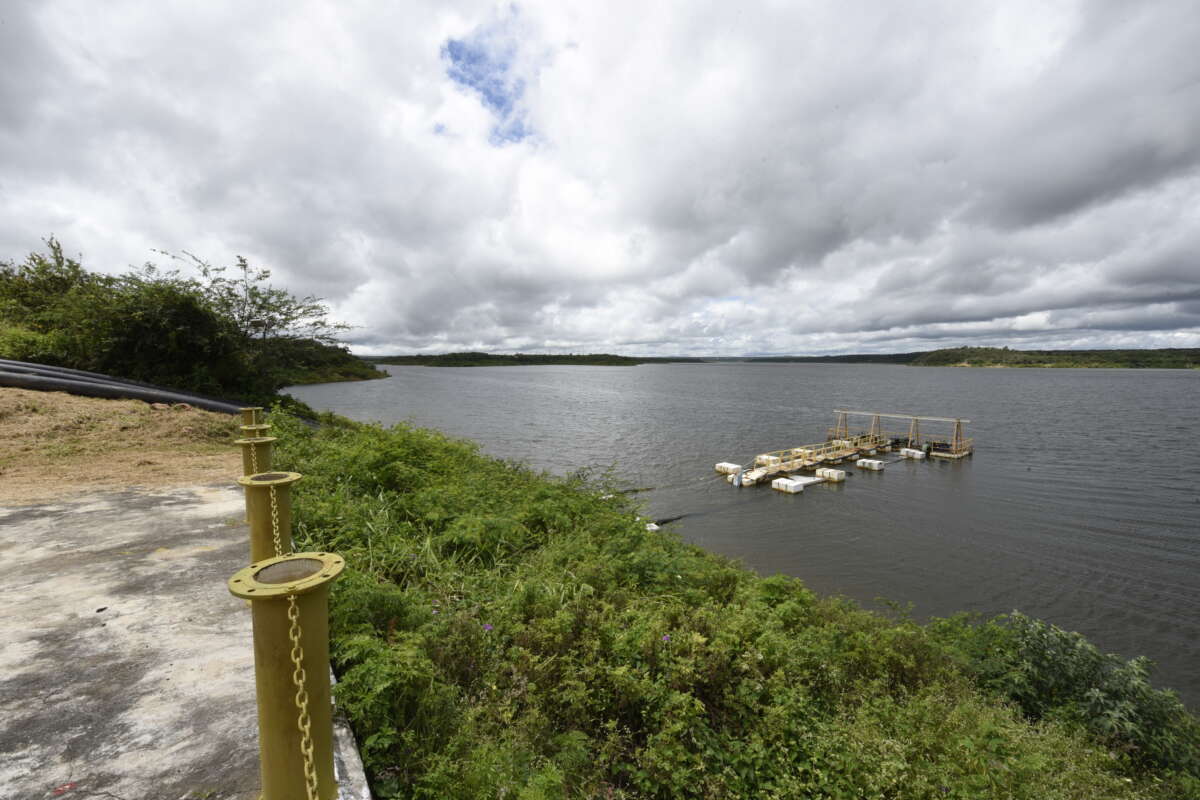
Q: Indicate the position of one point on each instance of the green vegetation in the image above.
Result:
(1005, 357)
(229, 336)
(1171, 358)
(519, 359)
(501, 633)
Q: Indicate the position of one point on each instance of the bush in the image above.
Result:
(22, 344)
(221, 336)
(1053, 674)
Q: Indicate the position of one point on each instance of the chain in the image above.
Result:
(275, 522)
(253, 459)
(299, 679)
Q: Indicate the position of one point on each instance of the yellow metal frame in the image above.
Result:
(811, 455)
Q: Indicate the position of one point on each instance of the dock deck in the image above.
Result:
(841, 443)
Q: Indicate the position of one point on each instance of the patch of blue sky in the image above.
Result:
(483, 62)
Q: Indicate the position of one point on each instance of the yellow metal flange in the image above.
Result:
(293, 574)
(257, 429)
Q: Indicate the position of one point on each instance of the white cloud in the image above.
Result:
(641, 178)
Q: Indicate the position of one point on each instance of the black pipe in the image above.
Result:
(8, 365)
(114, 390)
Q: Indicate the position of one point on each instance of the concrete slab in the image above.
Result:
(126, 667)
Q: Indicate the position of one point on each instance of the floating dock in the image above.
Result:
(842, 443)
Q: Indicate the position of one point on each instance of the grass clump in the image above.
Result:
(502, 633)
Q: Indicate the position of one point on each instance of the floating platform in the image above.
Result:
(841, 444)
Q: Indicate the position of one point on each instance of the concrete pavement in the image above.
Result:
(126, 667)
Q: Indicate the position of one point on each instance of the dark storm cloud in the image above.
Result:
(832, 177)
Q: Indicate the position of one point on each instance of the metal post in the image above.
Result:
(289, 605)
(269, 511)
(252, 415)
(257, 453)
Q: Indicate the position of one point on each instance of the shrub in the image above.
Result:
(1054, 674)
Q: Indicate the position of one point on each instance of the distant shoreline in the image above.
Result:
(989, 357)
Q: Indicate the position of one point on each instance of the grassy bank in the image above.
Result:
(500, 633)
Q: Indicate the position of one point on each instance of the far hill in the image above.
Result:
(521, 359)
(1170, 358)
(1005, 357)
(948, 357)
(849, 358)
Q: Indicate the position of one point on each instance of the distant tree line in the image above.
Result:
(227, 333)
(954, 356)
(475, 359)
(1168, 358)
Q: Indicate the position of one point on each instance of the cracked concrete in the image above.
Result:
(126, 667)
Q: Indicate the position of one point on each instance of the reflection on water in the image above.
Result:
(1080, 506)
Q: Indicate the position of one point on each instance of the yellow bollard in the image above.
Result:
(289, 605)
(252, 415)
(269, 510)
(257, 452)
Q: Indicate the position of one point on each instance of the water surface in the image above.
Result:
(1080, 506)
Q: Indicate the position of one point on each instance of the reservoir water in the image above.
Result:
(1081, 504)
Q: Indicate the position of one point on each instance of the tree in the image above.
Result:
(260, 310)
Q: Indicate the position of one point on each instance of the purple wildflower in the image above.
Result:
(666, 637)
(487, 626)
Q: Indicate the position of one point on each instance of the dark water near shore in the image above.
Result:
(1081, 505)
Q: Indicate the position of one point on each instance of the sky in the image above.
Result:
(667, 178)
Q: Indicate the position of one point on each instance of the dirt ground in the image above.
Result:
(54, 446)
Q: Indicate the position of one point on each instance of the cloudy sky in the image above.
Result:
(643, 178)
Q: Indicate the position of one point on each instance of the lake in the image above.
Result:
(1081, 504)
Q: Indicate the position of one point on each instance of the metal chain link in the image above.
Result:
(299, 679)
(275, 522)
(253, 459)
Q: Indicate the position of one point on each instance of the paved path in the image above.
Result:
(126, 667)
